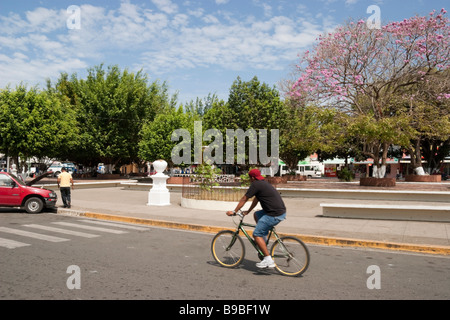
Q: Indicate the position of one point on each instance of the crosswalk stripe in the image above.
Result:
(32, 235)
(65, 231)
(118, 225)
(11, 244)
(89, 227)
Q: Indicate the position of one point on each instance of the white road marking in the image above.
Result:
(65, 231)
(32, 235)
(11, 244)
(89, 227)
(118, 225)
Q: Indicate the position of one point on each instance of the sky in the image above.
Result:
(198, 47)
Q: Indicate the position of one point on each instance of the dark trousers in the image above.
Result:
(65, 196)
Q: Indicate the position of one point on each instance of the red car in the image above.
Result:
(15, 193)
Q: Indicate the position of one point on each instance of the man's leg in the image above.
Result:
(68, 198)
(264, 224)
(261, 242)
(63, 191)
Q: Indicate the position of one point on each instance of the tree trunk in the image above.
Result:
(419, 171)
(416, 158)
(379, 171)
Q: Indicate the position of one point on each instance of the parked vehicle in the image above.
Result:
(56, 167)
(101, 168)
(15, 193)
(70, 167)
(309, 171)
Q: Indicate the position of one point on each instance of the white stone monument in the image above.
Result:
(159, 194)
(14, 169)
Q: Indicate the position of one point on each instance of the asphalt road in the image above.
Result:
(162, 264)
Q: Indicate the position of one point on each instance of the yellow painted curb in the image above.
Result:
(319, 240)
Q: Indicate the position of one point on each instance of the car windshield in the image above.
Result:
(18, 180)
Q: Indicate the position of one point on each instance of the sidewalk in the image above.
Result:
(304, 219)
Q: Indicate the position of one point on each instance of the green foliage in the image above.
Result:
(250, 105)
(256, 105)
(156, 142)
(35, 123)
(206, 176)
(346, 175)
(306, 130)
(112, 107)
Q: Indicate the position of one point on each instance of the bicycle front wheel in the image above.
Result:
(228, 249)
(291, 256)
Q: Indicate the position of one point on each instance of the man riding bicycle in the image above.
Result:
(273, 212)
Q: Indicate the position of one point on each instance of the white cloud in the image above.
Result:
(264, 45)
(197, 12)
(166, 6)
(46, 20)
(18, 67)
(164, 40)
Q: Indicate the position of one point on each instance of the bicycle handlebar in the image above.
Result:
(239, 213)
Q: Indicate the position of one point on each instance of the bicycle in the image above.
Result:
(290, 254)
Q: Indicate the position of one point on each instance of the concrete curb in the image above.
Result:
(318, 240)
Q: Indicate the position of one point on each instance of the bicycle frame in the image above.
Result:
(290, 260)
(240, 228)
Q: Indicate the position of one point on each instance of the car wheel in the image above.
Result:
(34, 205)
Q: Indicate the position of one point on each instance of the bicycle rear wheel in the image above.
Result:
(290, 255)
(228, 249)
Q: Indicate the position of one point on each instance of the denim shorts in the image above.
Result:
(266, 222)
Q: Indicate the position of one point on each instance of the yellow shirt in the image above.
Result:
(65, 179)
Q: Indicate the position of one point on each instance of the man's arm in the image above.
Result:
(252, 206)
(239, 206)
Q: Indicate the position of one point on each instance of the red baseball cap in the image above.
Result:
(255, 173)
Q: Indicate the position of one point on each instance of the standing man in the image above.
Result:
(272, 213)
(65, 181)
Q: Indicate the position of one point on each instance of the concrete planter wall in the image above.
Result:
(430, 178)
(377, 182)
(295, 178)
(108, 176)
(177, 180)
(276, 180)
(214, 205)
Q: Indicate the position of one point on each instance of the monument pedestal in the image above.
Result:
(159, 195)
(158, 198)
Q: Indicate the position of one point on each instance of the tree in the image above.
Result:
(112, 106)
(256, 105)
(156, 142)
(429, 121)
(35, 123)
(201, 106)
(306, 130)
(251, 105)
(362, 71)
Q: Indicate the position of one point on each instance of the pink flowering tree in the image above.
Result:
(369, 74)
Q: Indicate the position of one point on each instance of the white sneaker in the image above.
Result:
(267, 262)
